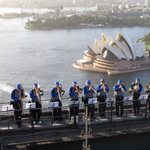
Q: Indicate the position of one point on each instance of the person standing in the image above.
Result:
(102, 88)
(36, 98)
(88, 91)
(148, 94)
(56, 97)
(74, 99)
(119, 90)
(136, 89)
(16, 96)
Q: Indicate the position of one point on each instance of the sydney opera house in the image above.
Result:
(114, 56)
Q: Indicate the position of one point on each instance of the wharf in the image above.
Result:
(52, 134)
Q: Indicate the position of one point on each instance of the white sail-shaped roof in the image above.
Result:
(122, 47)
(138, 48)
(119, 54)
(96, 49)
(128, 43)
(100, 43)
(107, 37)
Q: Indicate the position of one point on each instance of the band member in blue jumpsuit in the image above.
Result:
(17, 95)
(88, 91)
(148, 94)
(56, 97)
(137, 89)
(74, 97)
(36, 97)
(102, 88)
(119, 90)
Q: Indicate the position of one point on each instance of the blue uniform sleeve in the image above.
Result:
(107, 88)
(22, 94)
(140, 89)
(70, 93)
(124, 88)
(94, 91)
(85, 91)
(13, 98)
(116, 88)
(32, 96)
(53, 94)
(132, 84)
(99, 88)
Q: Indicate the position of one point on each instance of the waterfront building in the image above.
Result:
(114, 56)
(147, 3)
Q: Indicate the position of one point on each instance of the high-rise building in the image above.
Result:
(147, 3)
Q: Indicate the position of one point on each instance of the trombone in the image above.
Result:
(40, 92)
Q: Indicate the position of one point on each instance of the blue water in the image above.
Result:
(28, 56)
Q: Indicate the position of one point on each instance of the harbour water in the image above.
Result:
(29, 56)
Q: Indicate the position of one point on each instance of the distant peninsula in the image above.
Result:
(82, 21)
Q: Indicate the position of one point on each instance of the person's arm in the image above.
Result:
(124, 88)
(85, 91)
(132, 85)
(70, 93)
(53, 94)
(116, 88)
(107, 88)
(99, 88)
(31, 95)
(140, 87)
(12, 97)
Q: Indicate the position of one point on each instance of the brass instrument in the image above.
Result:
(62, 91)
(40, 92)
(93, 89)
(79, 89)
(135, 88)
(22, 90)
(24, 96)
(147, 90)
(122, 88)
(104, 87)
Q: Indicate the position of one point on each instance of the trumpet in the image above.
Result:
(93, 89)
(104, 87)
(122, 88)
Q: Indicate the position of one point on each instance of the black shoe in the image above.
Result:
(93, 117)
(19, 125)
(104, 115)
(117, 115)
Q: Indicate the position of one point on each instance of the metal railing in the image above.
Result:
(7, 116)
